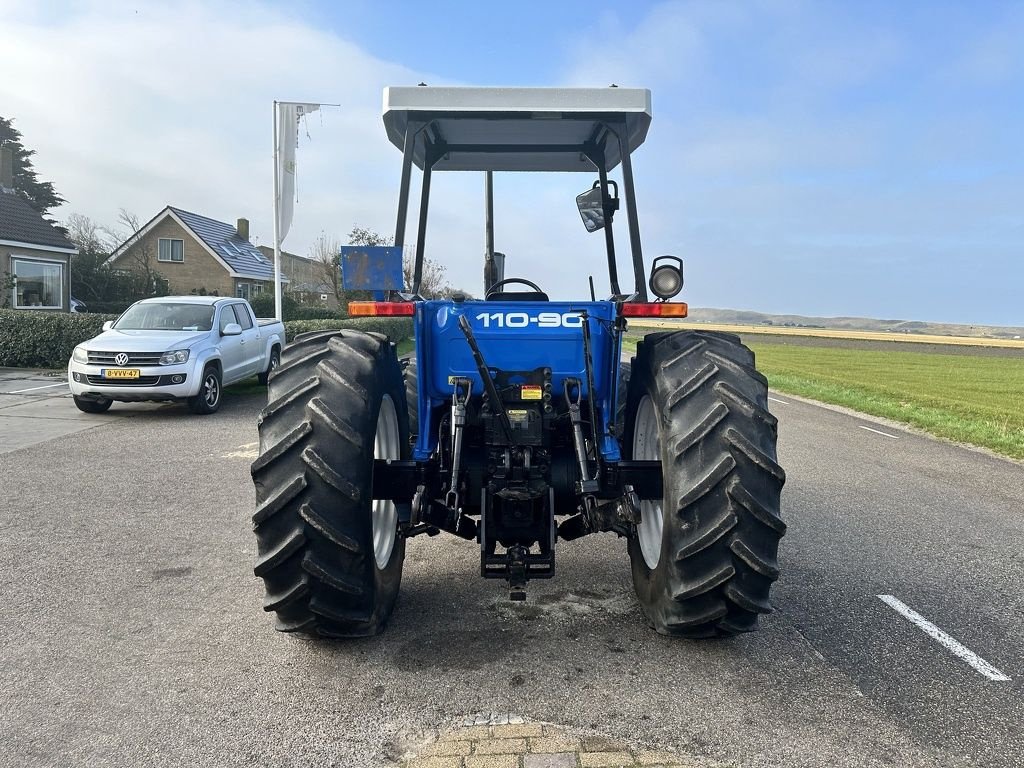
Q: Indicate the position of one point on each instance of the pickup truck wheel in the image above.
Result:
(98, 405)
(329, 554)
(275, 360)
(704, 556)
(208, 398)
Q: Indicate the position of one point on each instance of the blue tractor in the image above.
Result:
(516, 424)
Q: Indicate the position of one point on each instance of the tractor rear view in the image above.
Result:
(516, 425)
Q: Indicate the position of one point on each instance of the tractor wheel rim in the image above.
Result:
(647, 447)
(211, 390)
(384, 516)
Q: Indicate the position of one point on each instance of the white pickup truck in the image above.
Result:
(174, 348)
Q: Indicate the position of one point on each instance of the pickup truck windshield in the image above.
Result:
(166, 317)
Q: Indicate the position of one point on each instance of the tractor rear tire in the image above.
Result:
(704, 559)
(329, 555)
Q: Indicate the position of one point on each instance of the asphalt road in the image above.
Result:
(133, 635)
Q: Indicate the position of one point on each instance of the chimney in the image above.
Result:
(242, 227)
(6, 169)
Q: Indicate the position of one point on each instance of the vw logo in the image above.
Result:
(121, 359)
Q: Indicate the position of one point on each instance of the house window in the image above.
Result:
(242, 291)
(38, 284)
(169, 249)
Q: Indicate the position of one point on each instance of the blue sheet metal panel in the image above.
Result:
(515, 336)
(371, 268)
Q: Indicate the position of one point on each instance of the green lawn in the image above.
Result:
(963, 397)
(969, 398)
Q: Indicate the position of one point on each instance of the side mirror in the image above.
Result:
(232, 329)
(592, 207)
(108, 324)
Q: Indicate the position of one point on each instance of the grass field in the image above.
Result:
(970, 399)
(827, 333)
(963, 397)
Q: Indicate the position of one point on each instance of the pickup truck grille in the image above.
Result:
(142, 381)
(134, 358)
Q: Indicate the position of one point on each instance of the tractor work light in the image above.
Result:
(381, 309)
(653, 309)
(667, 279)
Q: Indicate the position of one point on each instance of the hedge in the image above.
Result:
(30, 339)
(397, 328)
(263, 306)
(107, 307)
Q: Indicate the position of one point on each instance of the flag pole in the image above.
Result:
(278, 313)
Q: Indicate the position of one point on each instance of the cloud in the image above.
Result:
(140, 106)
(812, 158)
(802, 157)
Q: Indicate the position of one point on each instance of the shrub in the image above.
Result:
(263, 306)
(396, 328)
(47, 339)
(316, 313)
(44, 339)
(108, 307)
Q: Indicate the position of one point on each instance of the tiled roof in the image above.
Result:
(242, 256)
(21, 223)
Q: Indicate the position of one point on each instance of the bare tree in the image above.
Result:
(325, 254)
(87, 235)
(432, 282)
(90, 278)
(142, 257)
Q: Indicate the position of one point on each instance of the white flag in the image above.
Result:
(289, 115)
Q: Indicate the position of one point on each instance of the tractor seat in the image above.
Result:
(518, 296)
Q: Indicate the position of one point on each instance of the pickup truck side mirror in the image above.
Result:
(107, 325)
(232, 329)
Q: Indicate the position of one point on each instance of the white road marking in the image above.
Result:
(941, 637)
(33, 389)
(883, 434)
(776, 400)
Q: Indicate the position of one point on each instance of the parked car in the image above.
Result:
(78, 306)
(183, 348)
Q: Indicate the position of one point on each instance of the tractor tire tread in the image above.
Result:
(313, 485)
(722, 484)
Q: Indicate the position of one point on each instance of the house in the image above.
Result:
(34, 255)
(197, 255)
(308, 281)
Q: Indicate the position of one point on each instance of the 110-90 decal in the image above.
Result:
(525, 320)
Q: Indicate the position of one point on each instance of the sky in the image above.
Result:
(817, 158)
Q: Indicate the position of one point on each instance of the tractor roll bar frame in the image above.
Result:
(436, 148)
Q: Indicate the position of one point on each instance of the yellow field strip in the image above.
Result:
(828, 333)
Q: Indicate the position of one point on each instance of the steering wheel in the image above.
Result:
(494, 288)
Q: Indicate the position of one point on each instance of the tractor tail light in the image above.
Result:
(653, 309)
(381, 309)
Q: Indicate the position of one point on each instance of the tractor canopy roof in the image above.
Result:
(517, 129)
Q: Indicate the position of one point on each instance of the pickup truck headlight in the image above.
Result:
(174, 357)
(80, 355)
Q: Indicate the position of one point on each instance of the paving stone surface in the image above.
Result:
(508, 741)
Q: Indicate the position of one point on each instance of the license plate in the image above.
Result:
(120, 373)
